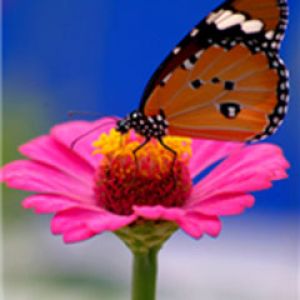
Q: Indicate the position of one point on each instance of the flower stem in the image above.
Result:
(144, 275)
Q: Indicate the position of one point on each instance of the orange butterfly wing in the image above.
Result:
(225, 80)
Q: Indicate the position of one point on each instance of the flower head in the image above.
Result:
(152, 176)
(104, 185)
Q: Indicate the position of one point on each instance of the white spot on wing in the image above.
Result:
(188, 65)
(286, 109)
(176, 50)
(166, 79)
(280, 122)
(199, 53)
(213, 16)
(252, 26)
(270, 35)
(233, 43)
(231, 112)
(230, 21)
(194, 32)
(223, 16)
(159, 118)
(280, 110)
(282, 97)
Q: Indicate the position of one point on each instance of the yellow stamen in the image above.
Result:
(114, 145)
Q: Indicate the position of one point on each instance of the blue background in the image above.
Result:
(97, 55)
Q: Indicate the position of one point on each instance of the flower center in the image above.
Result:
(153, 176)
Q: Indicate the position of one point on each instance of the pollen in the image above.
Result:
(151, 176)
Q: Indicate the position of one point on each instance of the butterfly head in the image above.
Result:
(129, 122)
(123, 126)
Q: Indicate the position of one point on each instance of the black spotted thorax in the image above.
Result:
(148, 126)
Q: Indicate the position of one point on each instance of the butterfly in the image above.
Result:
(223, 81)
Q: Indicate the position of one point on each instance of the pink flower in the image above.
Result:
(91, 189)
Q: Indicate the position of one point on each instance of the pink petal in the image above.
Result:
(192, 222)
(77, 234)
(95, 219)
(197, 224)
(67, 133)
(159, 212)
(48, 203)
(227, 204)
(206, 152)
(251, 169)
(35, 177)
(46, 150)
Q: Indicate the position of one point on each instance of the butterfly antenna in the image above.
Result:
(80, 137)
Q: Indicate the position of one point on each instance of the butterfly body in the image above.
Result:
(147, 126)
(223, 81)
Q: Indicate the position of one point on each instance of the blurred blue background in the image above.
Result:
(97, 55)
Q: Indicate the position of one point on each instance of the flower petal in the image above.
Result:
(95, 219)
(196, 224)
(158, 212)
(48, 203)
(251, 169)
(35, 177)
(78, 233)
(206, 152)
(192, 222)
(48, 151)
(224, 205)
(67, 133)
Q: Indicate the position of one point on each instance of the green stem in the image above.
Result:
(144, 275)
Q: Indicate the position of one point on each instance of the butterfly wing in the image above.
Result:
(225, 80)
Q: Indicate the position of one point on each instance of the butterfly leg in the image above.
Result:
(174, 153)
(135, 151)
